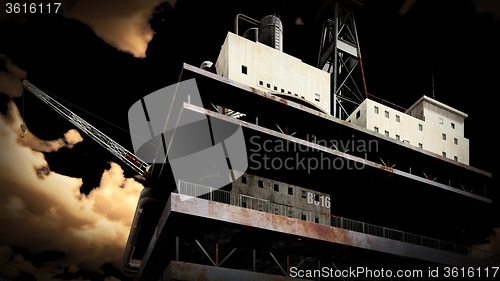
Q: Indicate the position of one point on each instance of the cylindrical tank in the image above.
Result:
(271, 32)
(252, 34)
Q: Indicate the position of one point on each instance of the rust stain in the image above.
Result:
(326, 116)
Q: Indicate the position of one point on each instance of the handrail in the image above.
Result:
(245, 18)
(250, 202)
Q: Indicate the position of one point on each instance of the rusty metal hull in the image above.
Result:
(274, 233)
(241, 216)
(305, 109)
(335, 152)
(197, 272)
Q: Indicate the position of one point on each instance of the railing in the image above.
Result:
(393, 106)
(249, 202)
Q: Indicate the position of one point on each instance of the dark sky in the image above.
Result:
(66, 58)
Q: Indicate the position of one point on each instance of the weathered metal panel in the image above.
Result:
(196, 272)
(327, 117)
(222, 212)
(332, 151)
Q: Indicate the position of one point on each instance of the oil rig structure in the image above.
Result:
(306, 174)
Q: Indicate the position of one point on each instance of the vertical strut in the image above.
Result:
(340, 55)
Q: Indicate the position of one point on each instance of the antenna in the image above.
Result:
(433, 89)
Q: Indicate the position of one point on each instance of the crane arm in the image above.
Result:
(119, 151)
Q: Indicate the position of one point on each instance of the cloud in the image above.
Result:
(123, 24)
(48, 213)
(481, 6)
(70, 138)
(10, 79)
(406, 6)
(488, 6)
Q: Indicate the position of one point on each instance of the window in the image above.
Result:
(453, 125)
(398, 137)
(420, 145)
(387, 133)
(444, 136)
(282, 90)
(455, 158)
(316, 220)
(289, 92)
(243, 69)
(304, 217)
(455, 141)
(244, 204)
(276, 187)
(420, 127)
(304, 194)
(316, 97)
(358, 114)
(261, 83)
(376, 129)
(386, 114)
(244, 179)
(376, 109)
(268, 85)
(444, 154)
(397, 118)
(261, 184)
(290, 190)
(275, 88)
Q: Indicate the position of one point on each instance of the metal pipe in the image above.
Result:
(245, 18)
(205, 252)
(220, 264)
(253, 259)
(177, 248)
(216, 254)
(282, 270)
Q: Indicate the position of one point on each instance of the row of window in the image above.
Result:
(398, 118)
(387, 114)
(455, 140)
(276, 187)
(376, 129)
(260, 183)
(244, 70)
(420, 145)
(268, 85)
(317, 97)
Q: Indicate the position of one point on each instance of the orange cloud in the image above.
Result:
(10, 80)
(122, 24)
(47, 212)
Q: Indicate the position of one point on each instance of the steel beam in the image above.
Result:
(190, 206)
(334, 152)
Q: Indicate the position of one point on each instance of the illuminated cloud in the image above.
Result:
(123, 24)
(48, 213)
(70, 138)
(488, 6)
(10, 79)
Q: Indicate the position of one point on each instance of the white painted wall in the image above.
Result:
(270, 70)
(427, 134)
